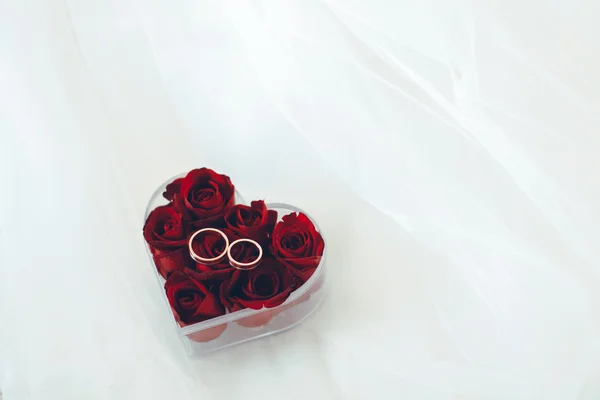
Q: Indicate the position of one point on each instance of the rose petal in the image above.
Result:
(271, 220)
(171, 260)
(210, 307)
(212, 273)
(173, 229)
(254, 321)
(268, 303)
(172, 189)
(301, 268)
(206, 335)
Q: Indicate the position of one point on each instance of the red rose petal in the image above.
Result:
(257, 320)
(172, 189)
(207, 335)
(168, 261)
(301, 268)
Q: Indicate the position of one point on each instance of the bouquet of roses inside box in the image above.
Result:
(220, 257)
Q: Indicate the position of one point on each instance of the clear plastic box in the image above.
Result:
(247, 324)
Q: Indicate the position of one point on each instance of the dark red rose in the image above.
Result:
(210, 245)
(253, 222)
(166, 234)
(267, 285)
(164, 228)
(172, 189)
(190, 299)
(205, 197)
(297, 244)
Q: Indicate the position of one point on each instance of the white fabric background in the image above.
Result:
(448, 148)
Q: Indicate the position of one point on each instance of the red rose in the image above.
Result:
(297, 244)
(164, 228)
(166, 234)
(190, 299)
(210, 245)
(243, 252)
(205, 197)
(253, 222)
(267, 285)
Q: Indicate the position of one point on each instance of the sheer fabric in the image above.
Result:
(449, 150)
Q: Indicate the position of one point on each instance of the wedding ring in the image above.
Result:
(208, 261)
(248, 265)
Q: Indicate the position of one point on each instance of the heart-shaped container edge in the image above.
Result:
(241, 314)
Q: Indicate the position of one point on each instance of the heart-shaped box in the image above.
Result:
(246, 324)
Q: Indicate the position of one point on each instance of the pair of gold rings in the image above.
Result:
(227, 252)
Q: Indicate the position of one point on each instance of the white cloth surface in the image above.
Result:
(448, 149)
